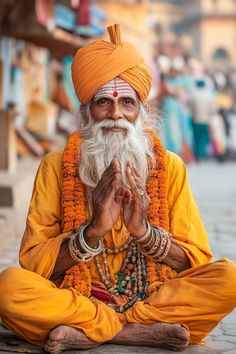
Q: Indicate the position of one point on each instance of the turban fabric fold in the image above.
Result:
(102, 61)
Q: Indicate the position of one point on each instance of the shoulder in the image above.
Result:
(51, 164)
(174, 162)
(54, 157)
(176, 171)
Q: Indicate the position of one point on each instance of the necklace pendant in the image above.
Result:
(119, 283)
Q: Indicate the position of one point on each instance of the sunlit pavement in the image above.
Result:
(214, 187)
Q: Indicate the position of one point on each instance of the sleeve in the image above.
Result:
(43, 234)
(186, 225)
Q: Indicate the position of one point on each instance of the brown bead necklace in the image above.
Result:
(130, 280)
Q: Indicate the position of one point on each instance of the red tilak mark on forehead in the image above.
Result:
(115, 93)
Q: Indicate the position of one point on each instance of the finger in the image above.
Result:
(133, 170)
(131, 179)
(108, 189)
(136, 173)
(120, 193)
(114, 165)
(136, 188)
(127, 197)
(109, 174)
(112, 169)
(110, 182)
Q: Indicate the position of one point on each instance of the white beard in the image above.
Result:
(99, 148)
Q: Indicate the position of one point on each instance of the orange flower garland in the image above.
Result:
(79, 278)
(158, 213)
(76, 211)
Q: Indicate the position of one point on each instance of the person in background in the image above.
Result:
(203, 109)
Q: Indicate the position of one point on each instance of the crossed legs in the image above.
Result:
(34, 309)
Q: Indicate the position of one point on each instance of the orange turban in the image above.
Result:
(102, 61)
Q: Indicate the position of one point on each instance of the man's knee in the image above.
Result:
(228, 278)
(228, 269)
(10, 280)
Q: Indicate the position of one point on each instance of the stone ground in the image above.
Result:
(214, 188)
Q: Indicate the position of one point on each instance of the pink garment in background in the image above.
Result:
(44, 12)
(83, 18)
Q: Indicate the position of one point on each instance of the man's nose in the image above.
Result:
(115, 111)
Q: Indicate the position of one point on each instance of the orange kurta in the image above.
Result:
(31, 305)
(43, 237)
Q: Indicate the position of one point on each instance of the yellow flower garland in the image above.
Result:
(76, 211)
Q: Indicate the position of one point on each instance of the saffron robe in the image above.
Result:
(31, 305)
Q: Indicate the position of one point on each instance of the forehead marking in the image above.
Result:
(114, 88)
(115, 93)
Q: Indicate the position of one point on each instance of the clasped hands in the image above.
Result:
(110, 198)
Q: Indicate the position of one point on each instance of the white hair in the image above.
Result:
(99, 148)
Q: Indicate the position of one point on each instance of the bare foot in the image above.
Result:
(164, 335)
(67, 338)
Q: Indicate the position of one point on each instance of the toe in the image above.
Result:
(53, 350)
(57, 334)
(185, 335)
(176, 348)
(52, 343)
(47, 348)
(180, 333)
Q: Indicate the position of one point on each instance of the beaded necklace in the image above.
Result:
(137, 272)
(130, 281)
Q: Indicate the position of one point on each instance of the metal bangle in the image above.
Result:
(155, 245)
(75, 252)
(85, 246)
(165, 253)
(145, 236)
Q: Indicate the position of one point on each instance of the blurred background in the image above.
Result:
(190, 46)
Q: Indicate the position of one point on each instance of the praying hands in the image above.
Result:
(110, 199)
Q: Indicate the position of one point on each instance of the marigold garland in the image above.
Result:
(79, 278)
(158, 213)
(76, 211)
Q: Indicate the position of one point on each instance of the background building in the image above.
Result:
(209, 25)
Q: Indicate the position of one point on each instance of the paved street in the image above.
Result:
(214, 187)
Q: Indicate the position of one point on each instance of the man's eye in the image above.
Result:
(128, 101)
(102, 101)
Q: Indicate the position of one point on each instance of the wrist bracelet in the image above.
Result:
(156, 244)
(75, 252)
(88, 253)
(161, 246)
(145, 236)
(85, 246)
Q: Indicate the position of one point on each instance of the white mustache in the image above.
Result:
(121, 123)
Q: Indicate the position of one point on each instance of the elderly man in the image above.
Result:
(114, 249)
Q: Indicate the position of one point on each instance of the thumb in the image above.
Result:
(120, 193)
(127, 197)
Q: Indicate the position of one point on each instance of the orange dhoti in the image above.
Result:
(31, 306)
